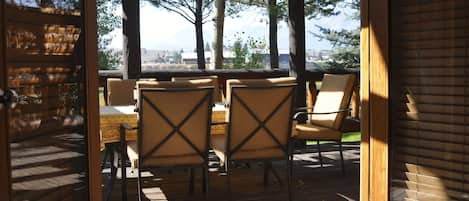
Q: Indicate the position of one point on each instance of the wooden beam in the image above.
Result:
(378, 70)
(4, 144)
(296, 23)
(364, 100)
(92, 102)
(131, 38)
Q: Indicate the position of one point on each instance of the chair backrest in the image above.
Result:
(260, 121)
(335, 93)
(120, 92)
(217, 96)
(174, 126)
(257, 82)
(170, 84)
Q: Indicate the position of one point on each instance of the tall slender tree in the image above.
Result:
(194, 11)
(272, 9)
(217, 43)
(278, 10)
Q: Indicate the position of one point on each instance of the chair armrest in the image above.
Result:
(319, 113)
(298, 109)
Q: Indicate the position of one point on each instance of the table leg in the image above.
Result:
(113, 160)
(123, 171)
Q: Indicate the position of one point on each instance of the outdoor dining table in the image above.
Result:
(111, 118)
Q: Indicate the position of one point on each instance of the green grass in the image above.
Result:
(101, 96)
(346, 137)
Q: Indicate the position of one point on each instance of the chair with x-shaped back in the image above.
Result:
(259, 125)
(174, 128)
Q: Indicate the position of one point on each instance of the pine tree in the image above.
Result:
(346, 43)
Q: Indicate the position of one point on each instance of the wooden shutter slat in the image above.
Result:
(434, 127)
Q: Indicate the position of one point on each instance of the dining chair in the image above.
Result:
(217, 96)
(117, 92)
(120, 92)
(171, 84)
(259, 127)
(173, 131)
(326, 120)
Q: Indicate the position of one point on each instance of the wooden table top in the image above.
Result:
(111, 117)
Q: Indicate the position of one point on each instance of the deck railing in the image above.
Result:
(310, 77)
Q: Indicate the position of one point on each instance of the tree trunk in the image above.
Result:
(296, 24)
(273, 10)
(131, 38)
(217, 44)
(199, 35)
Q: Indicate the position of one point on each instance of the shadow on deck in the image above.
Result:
(310, 181)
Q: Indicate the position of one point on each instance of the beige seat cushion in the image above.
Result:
(218, 143)
(314, 132)
(334, 95)
(132, 153)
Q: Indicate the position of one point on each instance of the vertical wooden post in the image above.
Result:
(296, 23)
(131, 36)
(375, 100)
(4, 144)
(92, 103)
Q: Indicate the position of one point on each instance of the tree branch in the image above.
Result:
(180, 12)
(186, 4)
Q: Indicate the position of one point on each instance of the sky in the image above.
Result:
(163, 30)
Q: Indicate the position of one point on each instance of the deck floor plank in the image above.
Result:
(310, 182)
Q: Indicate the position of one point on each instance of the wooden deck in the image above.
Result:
(310, 181)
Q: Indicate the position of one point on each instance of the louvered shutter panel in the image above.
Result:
(429, 100)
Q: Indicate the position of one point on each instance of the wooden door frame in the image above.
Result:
(92, 101)
(374, 157)
(4, 145)
(92, 105)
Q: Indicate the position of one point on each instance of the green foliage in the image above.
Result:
(313, 8)
(317, 8)
(107, 22)
(256, 58)
(346, 43)
(240, 53)
(249, 54)
(178, 56)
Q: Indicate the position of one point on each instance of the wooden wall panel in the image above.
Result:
(50, 142)
(4, 151)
